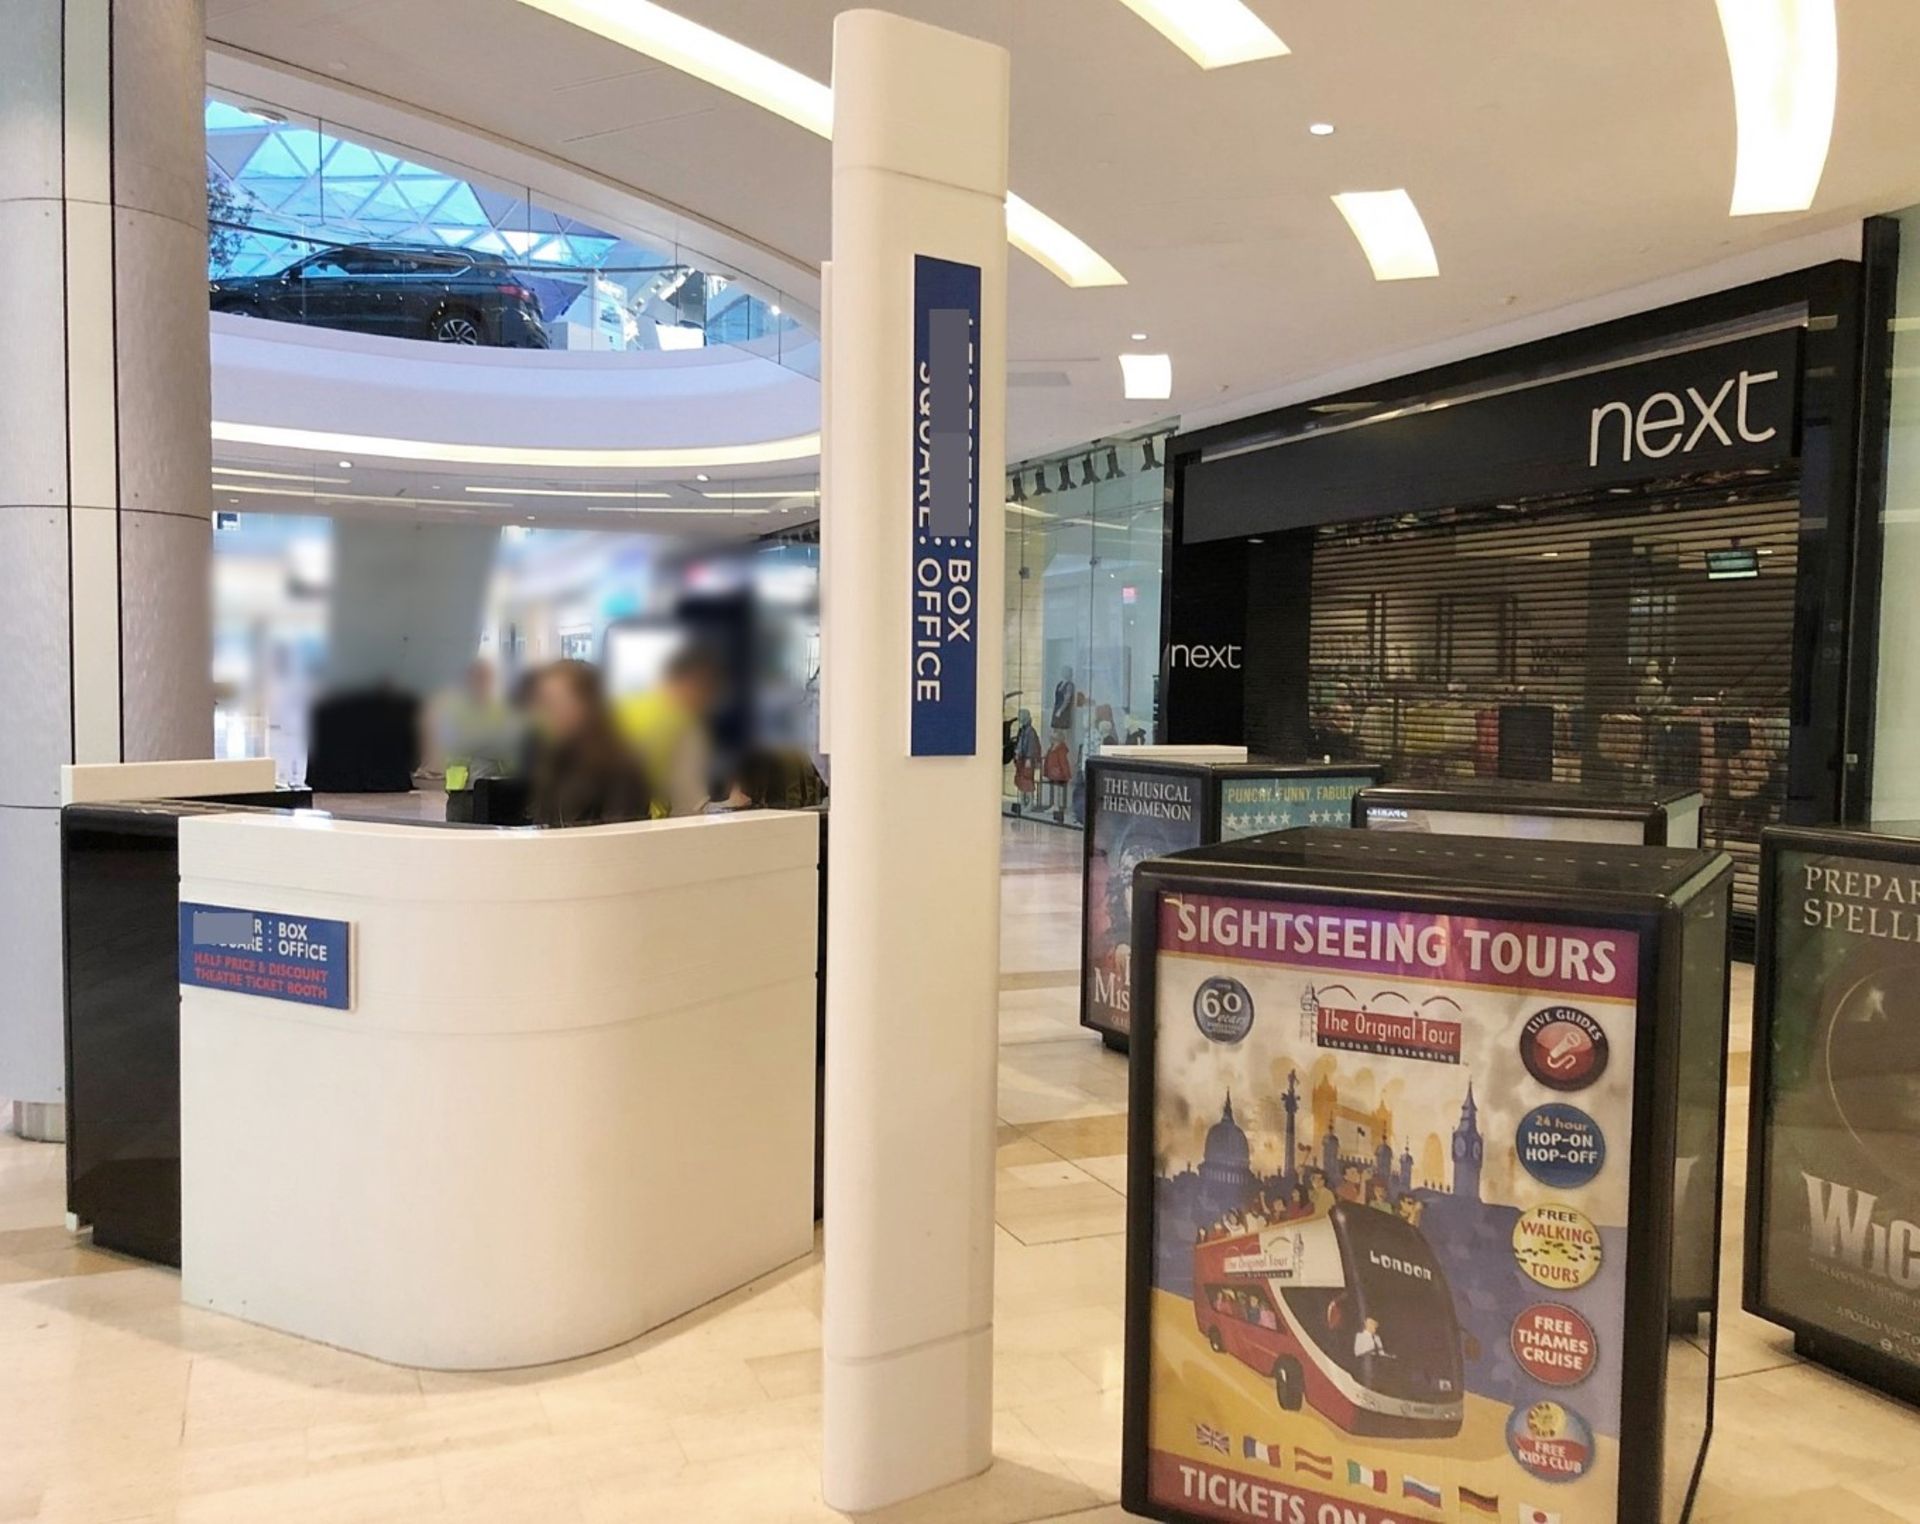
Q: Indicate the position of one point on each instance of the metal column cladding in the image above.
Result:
(946, 507)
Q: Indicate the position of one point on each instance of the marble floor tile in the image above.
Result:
(120, 1406)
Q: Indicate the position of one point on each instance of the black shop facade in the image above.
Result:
(1641, 554)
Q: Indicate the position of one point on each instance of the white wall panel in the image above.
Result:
(166, 641)
(159, 126)
(31, 1044)
(33, 658)
(30, 102)
(33, 397)
(166, 455)
(94, 594)
(93, 437)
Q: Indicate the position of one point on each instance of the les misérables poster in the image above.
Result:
(1391, 1189)
(1843, 1155)
(1138, 813)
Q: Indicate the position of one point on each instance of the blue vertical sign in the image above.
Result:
(944, 574)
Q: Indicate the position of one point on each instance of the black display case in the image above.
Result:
(1833, 1153)
(1147, 806)
(1424, 1180)
(120, 895)
(1656, 817)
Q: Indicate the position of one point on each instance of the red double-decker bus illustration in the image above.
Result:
(1349, 1313)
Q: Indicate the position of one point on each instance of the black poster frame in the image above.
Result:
(1649, 1230)
(1811, 1341)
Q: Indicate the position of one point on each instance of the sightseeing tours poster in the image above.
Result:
(1390, 1203)
(1842, 1218)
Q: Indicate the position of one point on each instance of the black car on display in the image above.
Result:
(452, 296)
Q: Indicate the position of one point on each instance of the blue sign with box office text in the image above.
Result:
(943, 578)
(267, 953)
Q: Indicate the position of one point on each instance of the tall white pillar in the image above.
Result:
(919, 188)
(104, 452)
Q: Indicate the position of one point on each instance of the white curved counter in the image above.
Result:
(572, 1098)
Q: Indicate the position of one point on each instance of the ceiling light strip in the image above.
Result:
(432, 505)
(1785, 58)
(279, 476)
(658, 33)
(1213, 33)
(682, 458)
(1391, 233)
(566, 492)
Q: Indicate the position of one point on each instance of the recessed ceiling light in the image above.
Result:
(1390, 231)
(739, 70)
(1147, 378)
(1785, 58)
(702, 477)
(1139, 338)
(346, 465)
(1321, 129)
(1213, 33)
(673, 458)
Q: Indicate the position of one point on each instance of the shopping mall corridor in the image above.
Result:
(119, 1405)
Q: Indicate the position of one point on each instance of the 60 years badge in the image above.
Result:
(1223, 1009)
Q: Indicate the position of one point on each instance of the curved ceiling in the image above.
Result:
(1557, 152)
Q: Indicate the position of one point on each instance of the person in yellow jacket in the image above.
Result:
(669, 729)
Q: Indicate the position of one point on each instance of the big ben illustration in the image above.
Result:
(1468, 1148)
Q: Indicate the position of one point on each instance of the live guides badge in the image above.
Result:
(1386, 1259)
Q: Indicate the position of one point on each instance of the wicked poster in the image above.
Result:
(1391, 1164)
(1841, 1234)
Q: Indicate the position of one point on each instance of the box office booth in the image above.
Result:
(1424, 1179)
(1640, 556)
(1147, 801)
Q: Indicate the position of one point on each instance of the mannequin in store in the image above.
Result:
(1026, 760)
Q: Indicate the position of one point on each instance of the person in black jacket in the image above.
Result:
(580, 771)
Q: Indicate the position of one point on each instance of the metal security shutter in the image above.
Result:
(1576, 642)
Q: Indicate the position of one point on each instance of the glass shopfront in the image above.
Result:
(1630, 558)
(1084, 543)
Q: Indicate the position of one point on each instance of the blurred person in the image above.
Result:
(579, 770)
(670, 728)
(473, 733)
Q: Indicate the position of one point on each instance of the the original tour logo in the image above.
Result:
(1563, 1047)
(1223, 1009)
(1551, 1441)
(1386, 1024)
(1554, 1344)
(1557, 1246)
(1560, 1145)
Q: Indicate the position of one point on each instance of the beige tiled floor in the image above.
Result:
(118, 1406)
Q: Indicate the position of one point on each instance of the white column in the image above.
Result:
(104, 453)
(919, 169)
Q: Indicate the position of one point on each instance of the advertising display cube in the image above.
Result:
(1658, 817)
(1833, 1159)
(1150, 801)
(1424, 1180)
